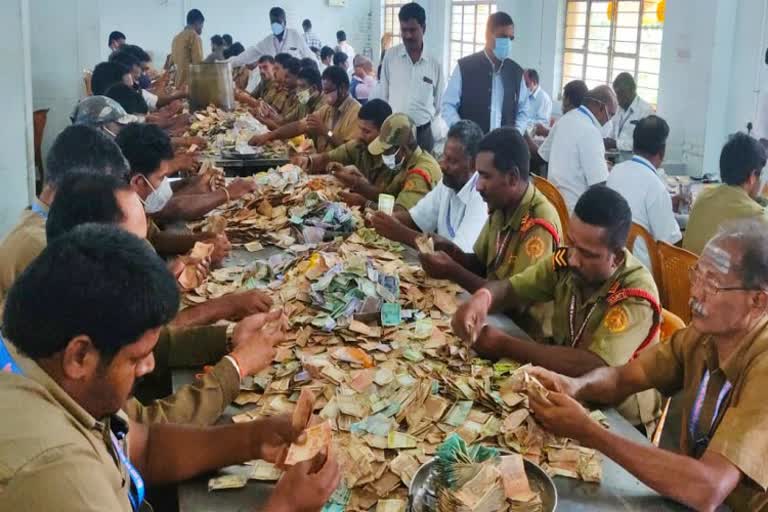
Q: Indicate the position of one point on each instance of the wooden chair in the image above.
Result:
(87, 76)
(39, 120)
(675, 263)
(650, 243)
(670, 324)
(550, 191)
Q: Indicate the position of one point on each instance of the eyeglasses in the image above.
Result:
(708, 286)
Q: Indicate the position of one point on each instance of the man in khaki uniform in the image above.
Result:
(606, 306)
(187, 47)
(717, 366)
(65, 445)
(414, 172)
(266, 64)
(334, 124)
(741, 163)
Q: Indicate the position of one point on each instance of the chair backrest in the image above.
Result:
(670, 324)
(675, 263)
(87, 75)
(550, 191)
(650, 243)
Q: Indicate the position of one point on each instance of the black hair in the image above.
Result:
(129, 98)
(83, 197)
(83, 147)
(306, 24)
(604, 207)
(650, 136)
(266, 58)
(575, 91)
(308, 62)
(124, 58)
(337, 77)
(234, 50)
(195, 16)
(114, 36)
(325, 52)
(741, 157)
(227, 39)
(375, 111)
(499, 19)
(137, 51)
(413, 11)
(293, 66)
(277, 12)
(145, 146)
(312, 77)
(469, 134)
(341, 36)
(533, 75)
(217, 40)
(100, 282)
(510, 151)
(339, 58)
(105, 75)
(625, 80)
(283, 59)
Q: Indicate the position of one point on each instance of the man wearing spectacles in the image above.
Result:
(577, 152)
(606, 306)
(718, 364)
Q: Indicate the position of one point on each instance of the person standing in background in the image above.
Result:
(228, 41)
(633, 108)
(309, 37)
(187, 47)
(281, 40)
(539, 102)
(116, 40)
(326, 58)
(411, 81)
(344, 46)
(487, 87)
(217, 49)
(363, 80)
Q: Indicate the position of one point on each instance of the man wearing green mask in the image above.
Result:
(491, 69)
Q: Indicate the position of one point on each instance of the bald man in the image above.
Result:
(577, 155)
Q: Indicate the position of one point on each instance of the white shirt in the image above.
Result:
(347, 48)
(577, 155)
(620, 127)
(545, 150)
(539, 107)
(457, 217)
(640, 184)
(293, 44)
(150, 99)
(413, 89)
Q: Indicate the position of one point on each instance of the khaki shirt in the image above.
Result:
(612, 332)
(411, 183)
(298, 111)
(53, 454)
(271, 89)
(23, 244)
(284, 100)
(355, 152)
(264, 87)
(186, 49)
(741, 436)
(713, 207)
(342, 121)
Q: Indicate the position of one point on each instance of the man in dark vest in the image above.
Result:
(487, 87)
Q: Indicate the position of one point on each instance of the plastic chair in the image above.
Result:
(550, 191)
(650, 243)
(670, 324)
(675, 263)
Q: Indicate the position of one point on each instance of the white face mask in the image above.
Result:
(303, 96)
(391, 161)
(159, 197)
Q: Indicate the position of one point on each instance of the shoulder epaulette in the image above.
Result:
(560, 259)
(529, 222)
(617, 295)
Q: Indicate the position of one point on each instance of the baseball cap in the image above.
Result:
(100, 110)
(397, 130)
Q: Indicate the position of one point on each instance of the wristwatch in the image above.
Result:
(330, 134)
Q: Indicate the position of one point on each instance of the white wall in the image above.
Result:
(16, 153)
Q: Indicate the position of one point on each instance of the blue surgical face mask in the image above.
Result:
(502, 47)
(277, 28)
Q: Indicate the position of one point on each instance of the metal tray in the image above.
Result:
(537, 477)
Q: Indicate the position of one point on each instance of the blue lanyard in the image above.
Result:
(136, 493)
(36, 208)
(451, 231)
(698, 404)
(644, 163)
(587, 113)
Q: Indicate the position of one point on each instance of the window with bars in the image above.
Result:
(606, 37)
(468, 20)
(391, 22)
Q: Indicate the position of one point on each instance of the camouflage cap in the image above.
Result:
(397, 130)
(100, 110)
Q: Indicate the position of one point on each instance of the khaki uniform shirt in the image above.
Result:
(186, 49)
(342, 121)
(270, 90)
(355, 152)
(612, 332)
(740, 431)
(284, 100)
(713, 207)
(23, 244)
(298, 111)
(263, 88)
(53, 454)
(420, 174)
